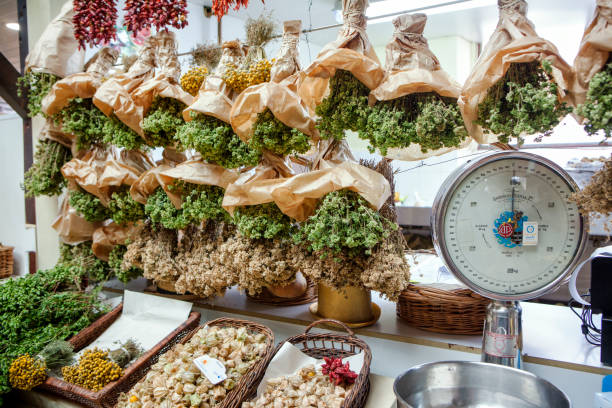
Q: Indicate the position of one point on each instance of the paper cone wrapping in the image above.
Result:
(115, 94)
(57, 51)
(351, 51)
(287, 61)
(71, 226)
(513, 41)
(52, 131)
(105, 238)
(165, 84)
(192, 171)
(594, 50)
(411, 67)
(81, 85)
(214, 98)
(100, 172)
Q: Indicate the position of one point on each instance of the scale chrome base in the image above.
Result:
(502, 340)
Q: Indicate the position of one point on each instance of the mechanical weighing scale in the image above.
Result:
(505, 227)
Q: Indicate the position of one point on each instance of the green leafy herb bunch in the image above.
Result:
(84, 120)
(524, 101)
(271, 134)
(216, 141)
(115, 262)
(163, 120)
(123, 208)
(44, 177)
(597, 109)
(89, 206)
(83, 262)
(35, 86)
(263, 221)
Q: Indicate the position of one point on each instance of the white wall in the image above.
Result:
(14, 231)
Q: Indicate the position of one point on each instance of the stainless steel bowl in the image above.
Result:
(462, 384)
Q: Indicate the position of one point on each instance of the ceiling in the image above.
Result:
(9, 46)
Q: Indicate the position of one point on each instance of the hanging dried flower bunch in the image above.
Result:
(44, 177)
(123, 208)
(89, 206)
(207, 55)
(163, 120)
(263, 221)
(240, 79)
(82, 119)
(115, 263)
(524, 101)
(597, 109)
(271, 134)
(216, 141)
(94, 22)
(192, 80)
(82, 258)
(35, 86)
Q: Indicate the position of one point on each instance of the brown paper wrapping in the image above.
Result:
(513, 41)
(287, 61)
(284, 104)
(115, 94)
(192, 171)
(351, 51)
(52, 131)
(99, 172)
(165, 84)
(215, 97)
(413, 68)
(594, 50)
(81, 85)
(71, 226)
(57, 51)
(105, 238)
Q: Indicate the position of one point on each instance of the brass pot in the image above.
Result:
(351, 305)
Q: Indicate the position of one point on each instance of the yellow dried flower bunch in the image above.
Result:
(27, 372)
(240, 79)
(94, 370)
(193, 79)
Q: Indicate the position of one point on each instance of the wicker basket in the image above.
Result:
(247, 384)
(107, 396)
(321, 345)
(459, 311)
(6, 261)
(309, 296)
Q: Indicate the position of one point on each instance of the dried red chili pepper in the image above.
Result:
(94, 22)
(221, 7)
(137, 15)
(144, 14)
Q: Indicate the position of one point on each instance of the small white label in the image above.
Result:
(501, 345)
(530, 233)
(212, 368)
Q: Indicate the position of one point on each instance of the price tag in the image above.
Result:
(530, 233)
(212, 368)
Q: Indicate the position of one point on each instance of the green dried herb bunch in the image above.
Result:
(344, 223)
(200, 202)
(84, 120)
(38, 309)
(216, 141)
(263, 221)
(427, 119)
(207, 55)
(597, 195)
(271, 134)
(524, 101)
(115, 263)
(89, 206)
(35, 86)
(44, 177)
(117, 133)
(597, 108)
(163, 120)
(345, 108)
(123, 208)
(82, 259)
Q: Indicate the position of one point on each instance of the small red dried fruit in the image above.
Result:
(338, 373)
(221, 7)
(94, 22)
(144, 14)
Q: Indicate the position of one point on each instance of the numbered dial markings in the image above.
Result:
(483, 227)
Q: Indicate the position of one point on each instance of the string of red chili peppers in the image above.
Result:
(95, 20)
(221, 7)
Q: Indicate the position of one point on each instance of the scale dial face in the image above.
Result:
(505, 227)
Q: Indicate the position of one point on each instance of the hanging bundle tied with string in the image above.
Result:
(55, 55)
(414, 112)
(162, 99)
(70, 225)
(287, 62)
(207, 129)
(70, 101)
(271, 116)
(110, 244)
(338, 82)
(101, 183)
(592, 87)
(114, 98)
(518, 86)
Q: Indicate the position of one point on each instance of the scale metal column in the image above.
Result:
(505, 226)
